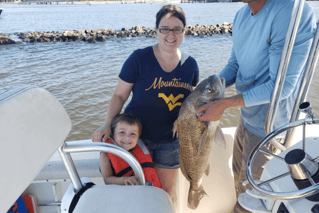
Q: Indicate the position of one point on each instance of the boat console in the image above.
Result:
(290, 181)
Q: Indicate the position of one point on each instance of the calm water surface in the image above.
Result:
(83, 76)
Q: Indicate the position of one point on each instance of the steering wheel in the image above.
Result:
(257, 185)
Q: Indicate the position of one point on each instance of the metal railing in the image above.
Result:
(305, 85)
(67, 148)
(313, 189)
(282, 71)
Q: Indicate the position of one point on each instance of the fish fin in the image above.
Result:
(202, 190)
(202, 140)
(195, 196)
(219, 138)
(175, 132)
(207, 170)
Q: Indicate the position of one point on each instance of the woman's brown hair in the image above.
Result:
(174, 10)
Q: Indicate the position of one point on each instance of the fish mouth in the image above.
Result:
(191, 205)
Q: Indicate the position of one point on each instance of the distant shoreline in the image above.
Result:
(48, 2)
(53, 2)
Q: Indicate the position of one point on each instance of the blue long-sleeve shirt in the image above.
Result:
(257, 45)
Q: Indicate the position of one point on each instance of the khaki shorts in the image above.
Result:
(244, 143)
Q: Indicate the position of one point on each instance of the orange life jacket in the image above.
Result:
(142, 154)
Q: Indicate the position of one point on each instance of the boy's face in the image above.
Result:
(126, 135)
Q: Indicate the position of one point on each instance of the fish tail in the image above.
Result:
(194, 196)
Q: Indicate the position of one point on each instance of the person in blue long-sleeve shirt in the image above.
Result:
(259, 31)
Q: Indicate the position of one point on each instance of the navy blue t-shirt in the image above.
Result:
(158, 95)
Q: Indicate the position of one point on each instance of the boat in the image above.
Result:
(1, 9)
(43, 166)
(64, 176)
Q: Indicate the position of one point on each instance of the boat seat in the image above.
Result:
(124, 199)
(83, 197)
(33, 126)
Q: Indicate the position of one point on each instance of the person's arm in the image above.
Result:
(120, 95)
(229, 72)
(214, 110)
(261, 94)
(106, 170)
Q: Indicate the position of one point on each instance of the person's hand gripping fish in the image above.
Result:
(214, 110)
(211, 111)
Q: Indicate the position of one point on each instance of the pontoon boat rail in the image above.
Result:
(68, 148)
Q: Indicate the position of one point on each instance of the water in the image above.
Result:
(83, 76)
(24, 18)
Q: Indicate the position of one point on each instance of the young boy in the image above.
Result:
(126, 130)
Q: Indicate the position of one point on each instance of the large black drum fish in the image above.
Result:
(196, 137)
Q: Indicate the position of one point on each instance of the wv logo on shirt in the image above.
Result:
(171, 101)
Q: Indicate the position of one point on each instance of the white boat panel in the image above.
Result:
(33, 125)
(124, 199)
(252, 204)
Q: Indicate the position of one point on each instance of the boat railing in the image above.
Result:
(282, 71)
(305, 85)
(74, 147)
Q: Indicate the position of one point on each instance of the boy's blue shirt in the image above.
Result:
(257, 45)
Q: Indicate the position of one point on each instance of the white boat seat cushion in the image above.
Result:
(33, 125)
(124, 199)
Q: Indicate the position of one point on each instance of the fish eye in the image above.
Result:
(209, 90)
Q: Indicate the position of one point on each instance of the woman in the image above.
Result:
(160, 78)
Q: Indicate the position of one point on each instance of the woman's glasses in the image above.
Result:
(175, 30)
